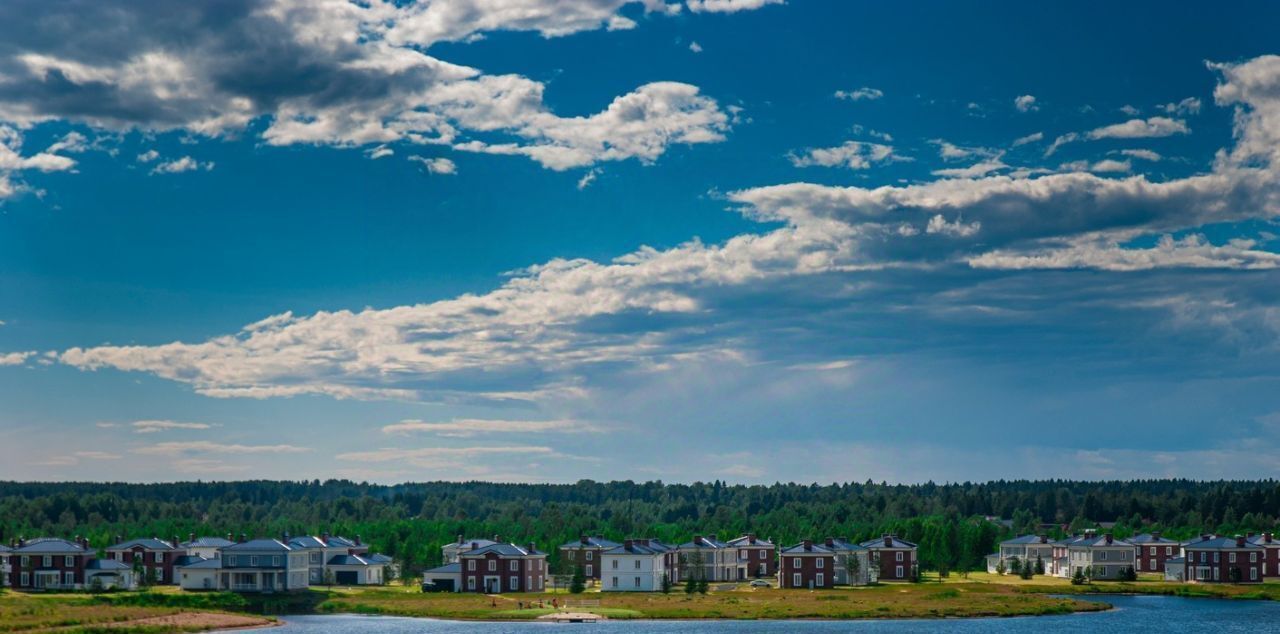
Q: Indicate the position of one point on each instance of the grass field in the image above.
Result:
(124, 613)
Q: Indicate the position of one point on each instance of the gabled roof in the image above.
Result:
(1099, 541)
(338, 541)
(838, 544)
(635, 549)
(207, 542)
(745, 542)
(204, 564)
(4, 549)
(707, 542)
(1147, 539)
(49, 545)
(311, 541)
(106, 564)
(1026, 539)
(446, 569)
(1070, 540)
(502, 550)
(1175, 560)
(894, 542)
(591, 542)
(187, 560)
(479, 542)
(1261, 540)
(347, 560)
(375, 558)
(259, 545)
(1219, 543)
(149, 543)
(813, 549)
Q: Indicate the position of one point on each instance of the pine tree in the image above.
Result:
(579, 583)
(1039, 565)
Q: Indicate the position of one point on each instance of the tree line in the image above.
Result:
(411, 521)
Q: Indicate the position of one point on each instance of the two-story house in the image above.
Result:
(1101, 557)
(1223, 560)
(153, 558)
(1153, 551)
(706, 559)
(1270, 554)
(205, 547)
(49, 563)
(756, 557)
(807, 565)
(500, 568)
(5, 551)
(1026, 550)
(635, 566)
(262, 565)
(449, 552)
(853, 562)
(584, 554)
(323, 549)
(893, 558)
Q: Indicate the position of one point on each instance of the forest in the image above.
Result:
(955, 525)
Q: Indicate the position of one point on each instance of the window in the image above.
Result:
(117, 555)
(471, 583)
(899, 555)
(795, 562)
(637, 566)
(46, 561)
(1102, 555)
(275, 560)
(1152, 550)
(158, 558)
(253, 560)
(26, 579)
(615, 564)
(590, 570)
(68, 579)
(589, 554)
(493, 565)
(159, 575)
(513, 583)
(760, 554)
(1231, 557)
(615, 582)
(1253, 574)
(898, 572)
(821, 562)
(1202, 556)
(819, 581)
(1253, 558)
(795, 580)
(68, 562)
(26, 563)
(1168, 550)
(529, 582)
(471, 564)
(1137, 565)
(515, 565)
(231, 560)
(637, 583)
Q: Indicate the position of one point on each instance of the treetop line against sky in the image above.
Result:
(743, 240)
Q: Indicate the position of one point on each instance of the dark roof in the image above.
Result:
(1219, 543)
(447, 568)
(813, 549)
(479, 542)
(1098, 541)
(635, 549)
(106, 564)
(347, 560)
(376, 558)
(49, 545)
(259, 545)
(592, 542)
(707, 542)
(1261, 540)
(1025, 539)
(1175, 560)
(840, 544)
(894, 543)
(1070, 540)
(502, 550)
(149, 543)
(187, 560)
(306, 541)
(207, 542)
(1148, 539)
(205, 564)
(4, 549)
(745, 542)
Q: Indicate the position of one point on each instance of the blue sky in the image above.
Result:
(734, 239)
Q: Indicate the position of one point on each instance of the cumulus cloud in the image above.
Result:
(12, 161)
(864, 93)
(1146, 155)
(436, 165)
(15, 358)
(180, 165)
(855, 155)
(546, 331)
(1034, 137)
(331, 72)
(1141, 128)
(1188, 106)
(727, 6)
(1025, 103)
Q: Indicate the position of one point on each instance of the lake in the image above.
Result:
(1132, 614)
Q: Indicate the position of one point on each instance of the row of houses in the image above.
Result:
(200, 563)
(646, 564)
(1204, 559)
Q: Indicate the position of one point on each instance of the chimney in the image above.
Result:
(21, 541)
(324, 537)
(119, 539)
(284, 538)
(888, 541)
(1239, 541)
(358, 540)
(831, 542)
(242, 540)
(175, 541)
(497, 538)
(1266, 537)
(1248, 535)
(533, 548)
(475, 545)
(459, 539)
(191, 537)
(1155, 536)
(751, 538)
(230, 537)
(1107, 536)
(582, 539)
(1044, 539)
(697, 540)
(808, 544)
(1204, 538)
(84, 543)
(629, 544)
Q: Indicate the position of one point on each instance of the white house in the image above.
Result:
(354, 570)
(262, 565)
(1026, 549)
(109, 574)
(1102, 557)
(707, 559)
(633, 567)
(450, 552)
(847, 552)
(446, 578)
(322, 549)
(5, 568)
(200, 574)
(205, 547)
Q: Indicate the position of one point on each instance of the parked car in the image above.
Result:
(761, 583)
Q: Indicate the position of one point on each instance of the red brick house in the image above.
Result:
(756, 557)
(807, 565)
(155, 557)
(49, 563)
(584, 554)
(897, 557)
(501, 568)
(1271, 554)
(1223, 560)
(1153, 551)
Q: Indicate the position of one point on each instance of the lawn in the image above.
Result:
(123, 613)
(879, 602)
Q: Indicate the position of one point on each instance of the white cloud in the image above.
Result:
(205, 446)
(472, 427)
(1034, 137)
(855, 155)
(12, 161)
(1111, 165)
(1140, 128)
(727, 6)
(438, 165)
(864, 93)
(1193, 251)
(379, 152)
(178, 166)
(1146, 155)
(977, 170)
(1188, 106)
(587, 179)
(695, 47)
(148, 156)
(154, 426)
(1130, 110)
(1025, 103)
(15, 358)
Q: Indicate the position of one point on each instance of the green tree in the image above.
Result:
(1000, 567)
(1015, 566)
(1039, 565)
(666, 583)
(1077, 577)
(579, 582)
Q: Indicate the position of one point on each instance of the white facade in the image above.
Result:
(719, 561)
(632, 568)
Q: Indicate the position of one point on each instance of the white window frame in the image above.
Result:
(899, 555)
(820, 580)
(471, 564)
(159, 575)
(513, 583)
(46, 561)
(158, 557)
(68, 578)
(589, 554)
(590, 570)
(515, 566)
(471, 583)
(25, 580)
(275, 560)
(795, 580)
(795, 562)
(493, 565)
(1231, 558)
(821, 562)
(253, 561)
(1253, 574)
(68, 561)
(898, 570)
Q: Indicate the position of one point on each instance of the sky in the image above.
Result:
(745, 240)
